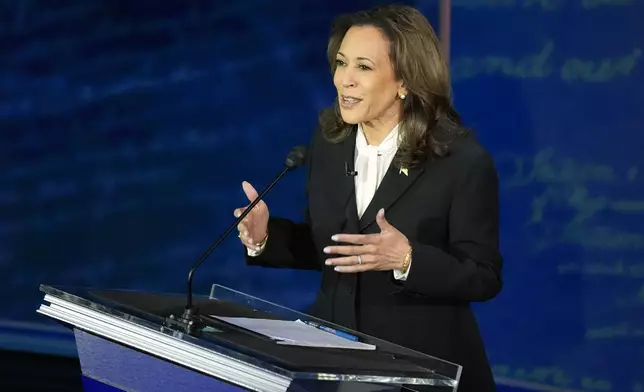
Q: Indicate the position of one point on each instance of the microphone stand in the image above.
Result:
(190, 321)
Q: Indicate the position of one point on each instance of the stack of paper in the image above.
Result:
(295, 333)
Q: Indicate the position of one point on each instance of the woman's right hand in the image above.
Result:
(253, 229)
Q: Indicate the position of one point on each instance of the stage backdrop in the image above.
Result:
(127, 127)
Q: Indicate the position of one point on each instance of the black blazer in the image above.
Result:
(447, 208)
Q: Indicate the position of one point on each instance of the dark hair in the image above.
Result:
(417, 60)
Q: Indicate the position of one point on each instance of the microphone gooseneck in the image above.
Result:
(189, 320)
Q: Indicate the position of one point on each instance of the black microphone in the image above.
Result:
(189, 321)
(349, 171)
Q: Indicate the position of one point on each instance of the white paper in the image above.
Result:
(295, 333)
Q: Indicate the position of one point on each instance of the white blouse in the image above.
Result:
(372, 163)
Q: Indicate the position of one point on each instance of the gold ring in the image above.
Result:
(359, 260)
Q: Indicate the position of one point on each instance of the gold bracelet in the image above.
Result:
(406, 261)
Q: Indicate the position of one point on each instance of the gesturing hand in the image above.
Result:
(253, 229)
(370, 252)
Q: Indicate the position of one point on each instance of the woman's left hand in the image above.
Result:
(383, 251)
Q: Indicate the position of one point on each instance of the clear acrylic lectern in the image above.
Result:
(125, 343)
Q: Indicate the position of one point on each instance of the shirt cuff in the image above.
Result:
(255, 253)
(398, 275)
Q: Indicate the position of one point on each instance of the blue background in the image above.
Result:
(126, 128)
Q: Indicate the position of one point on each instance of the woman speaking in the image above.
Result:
(402, 212)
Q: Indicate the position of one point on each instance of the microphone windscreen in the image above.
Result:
(296, 157)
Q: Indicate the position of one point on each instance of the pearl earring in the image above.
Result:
(402, 96)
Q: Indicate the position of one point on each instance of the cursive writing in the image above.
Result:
(546, 5)
(598, 71)
(545, 168)
(615, 269)
(540, 65)
(552, 376)
(623, 330)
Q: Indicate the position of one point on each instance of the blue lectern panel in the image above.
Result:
(128, 369)
(93, 385)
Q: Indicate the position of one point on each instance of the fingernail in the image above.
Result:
(337, 269)
(334, 237)
(250, 239)
(245, 233)
(328, 262)
(327, 250)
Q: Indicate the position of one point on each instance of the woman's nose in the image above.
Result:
(348, 79)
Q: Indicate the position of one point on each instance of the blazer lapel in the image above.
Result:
(392, 187)
(344, 188)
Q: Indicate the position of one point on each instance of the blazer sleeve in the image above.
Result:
(470, 269)
(290, 244)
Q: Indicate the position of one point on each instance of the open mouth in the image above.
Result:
(349, 102)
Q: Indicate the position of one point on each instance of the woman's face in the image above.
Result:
(365, 79)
